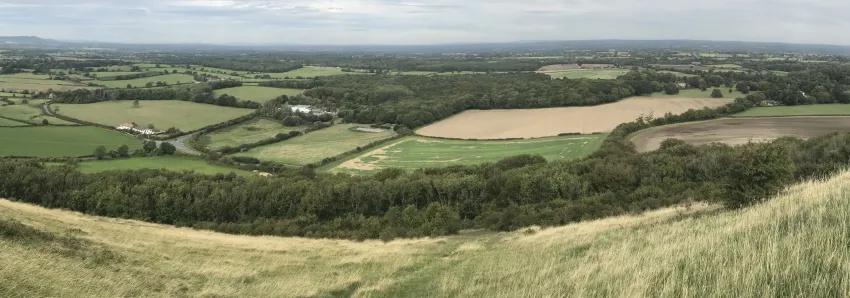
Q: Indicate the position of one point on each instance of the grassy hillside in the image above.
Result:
(794, 245)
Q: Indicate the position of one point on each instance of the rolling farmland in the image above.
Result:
(184, 115)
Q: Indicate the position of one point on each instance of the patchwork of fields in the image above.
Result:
(34, 83)
(61, 141)
(163, 114)
(535, 123)
(317, 145)
(420, 152)
(736, 131)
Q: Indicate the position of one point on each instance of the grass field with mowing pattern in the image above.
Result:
(421, 152)
(61, 141)
(317, 145)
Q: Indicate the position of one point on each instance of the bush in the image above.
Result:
(716, 93)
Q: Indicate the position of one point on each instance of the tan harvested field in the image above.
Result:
(536, 123)
(736, 131)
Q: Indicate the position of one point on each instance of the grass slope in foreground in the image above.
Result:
(163, 114)
(835, 109)
(795, 245)
(60, 141)
(421, 152)
(171, 163)
(257, 94)
(246, 133)
(317, 145)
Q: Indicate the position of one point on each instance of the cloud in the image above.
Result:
(423, 22)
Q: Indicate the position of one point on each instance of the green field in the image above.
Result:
(170, 79)
(310, 72)
(110, 74)
(6, 122)
(30, 112)
(60, 141)
(171, 163)
(245, 133)
(13, 94)
(602, 74)
(317, 145)
(33, 82)
(163, 114)
(696, 93)
(421, 152)
(257, 93)
(835, 109)
(793, 245)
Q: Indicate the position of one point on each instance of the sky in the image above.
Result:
(404, 22)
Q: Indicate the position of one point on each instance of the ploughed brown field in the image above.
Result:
(736, 131)
(536, 123)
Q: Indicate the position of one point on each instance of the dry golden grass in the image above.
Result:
(797, 244)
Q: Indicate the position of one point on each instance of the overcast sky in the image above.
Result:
(425, 22)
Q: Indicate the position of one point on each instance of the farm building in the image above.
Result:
(131, 127)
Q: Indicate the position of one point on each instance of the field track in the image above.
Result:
(736, 131)
(536, 123)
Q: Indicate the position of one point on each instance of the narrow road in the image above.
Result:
(46, 110)
(182, 146)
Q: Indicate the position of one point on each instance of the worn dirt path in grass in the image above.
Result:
(736, 131)
(536, 123)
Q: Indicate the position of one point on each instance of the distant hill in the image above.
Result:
(520, 46)
(795, 245)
